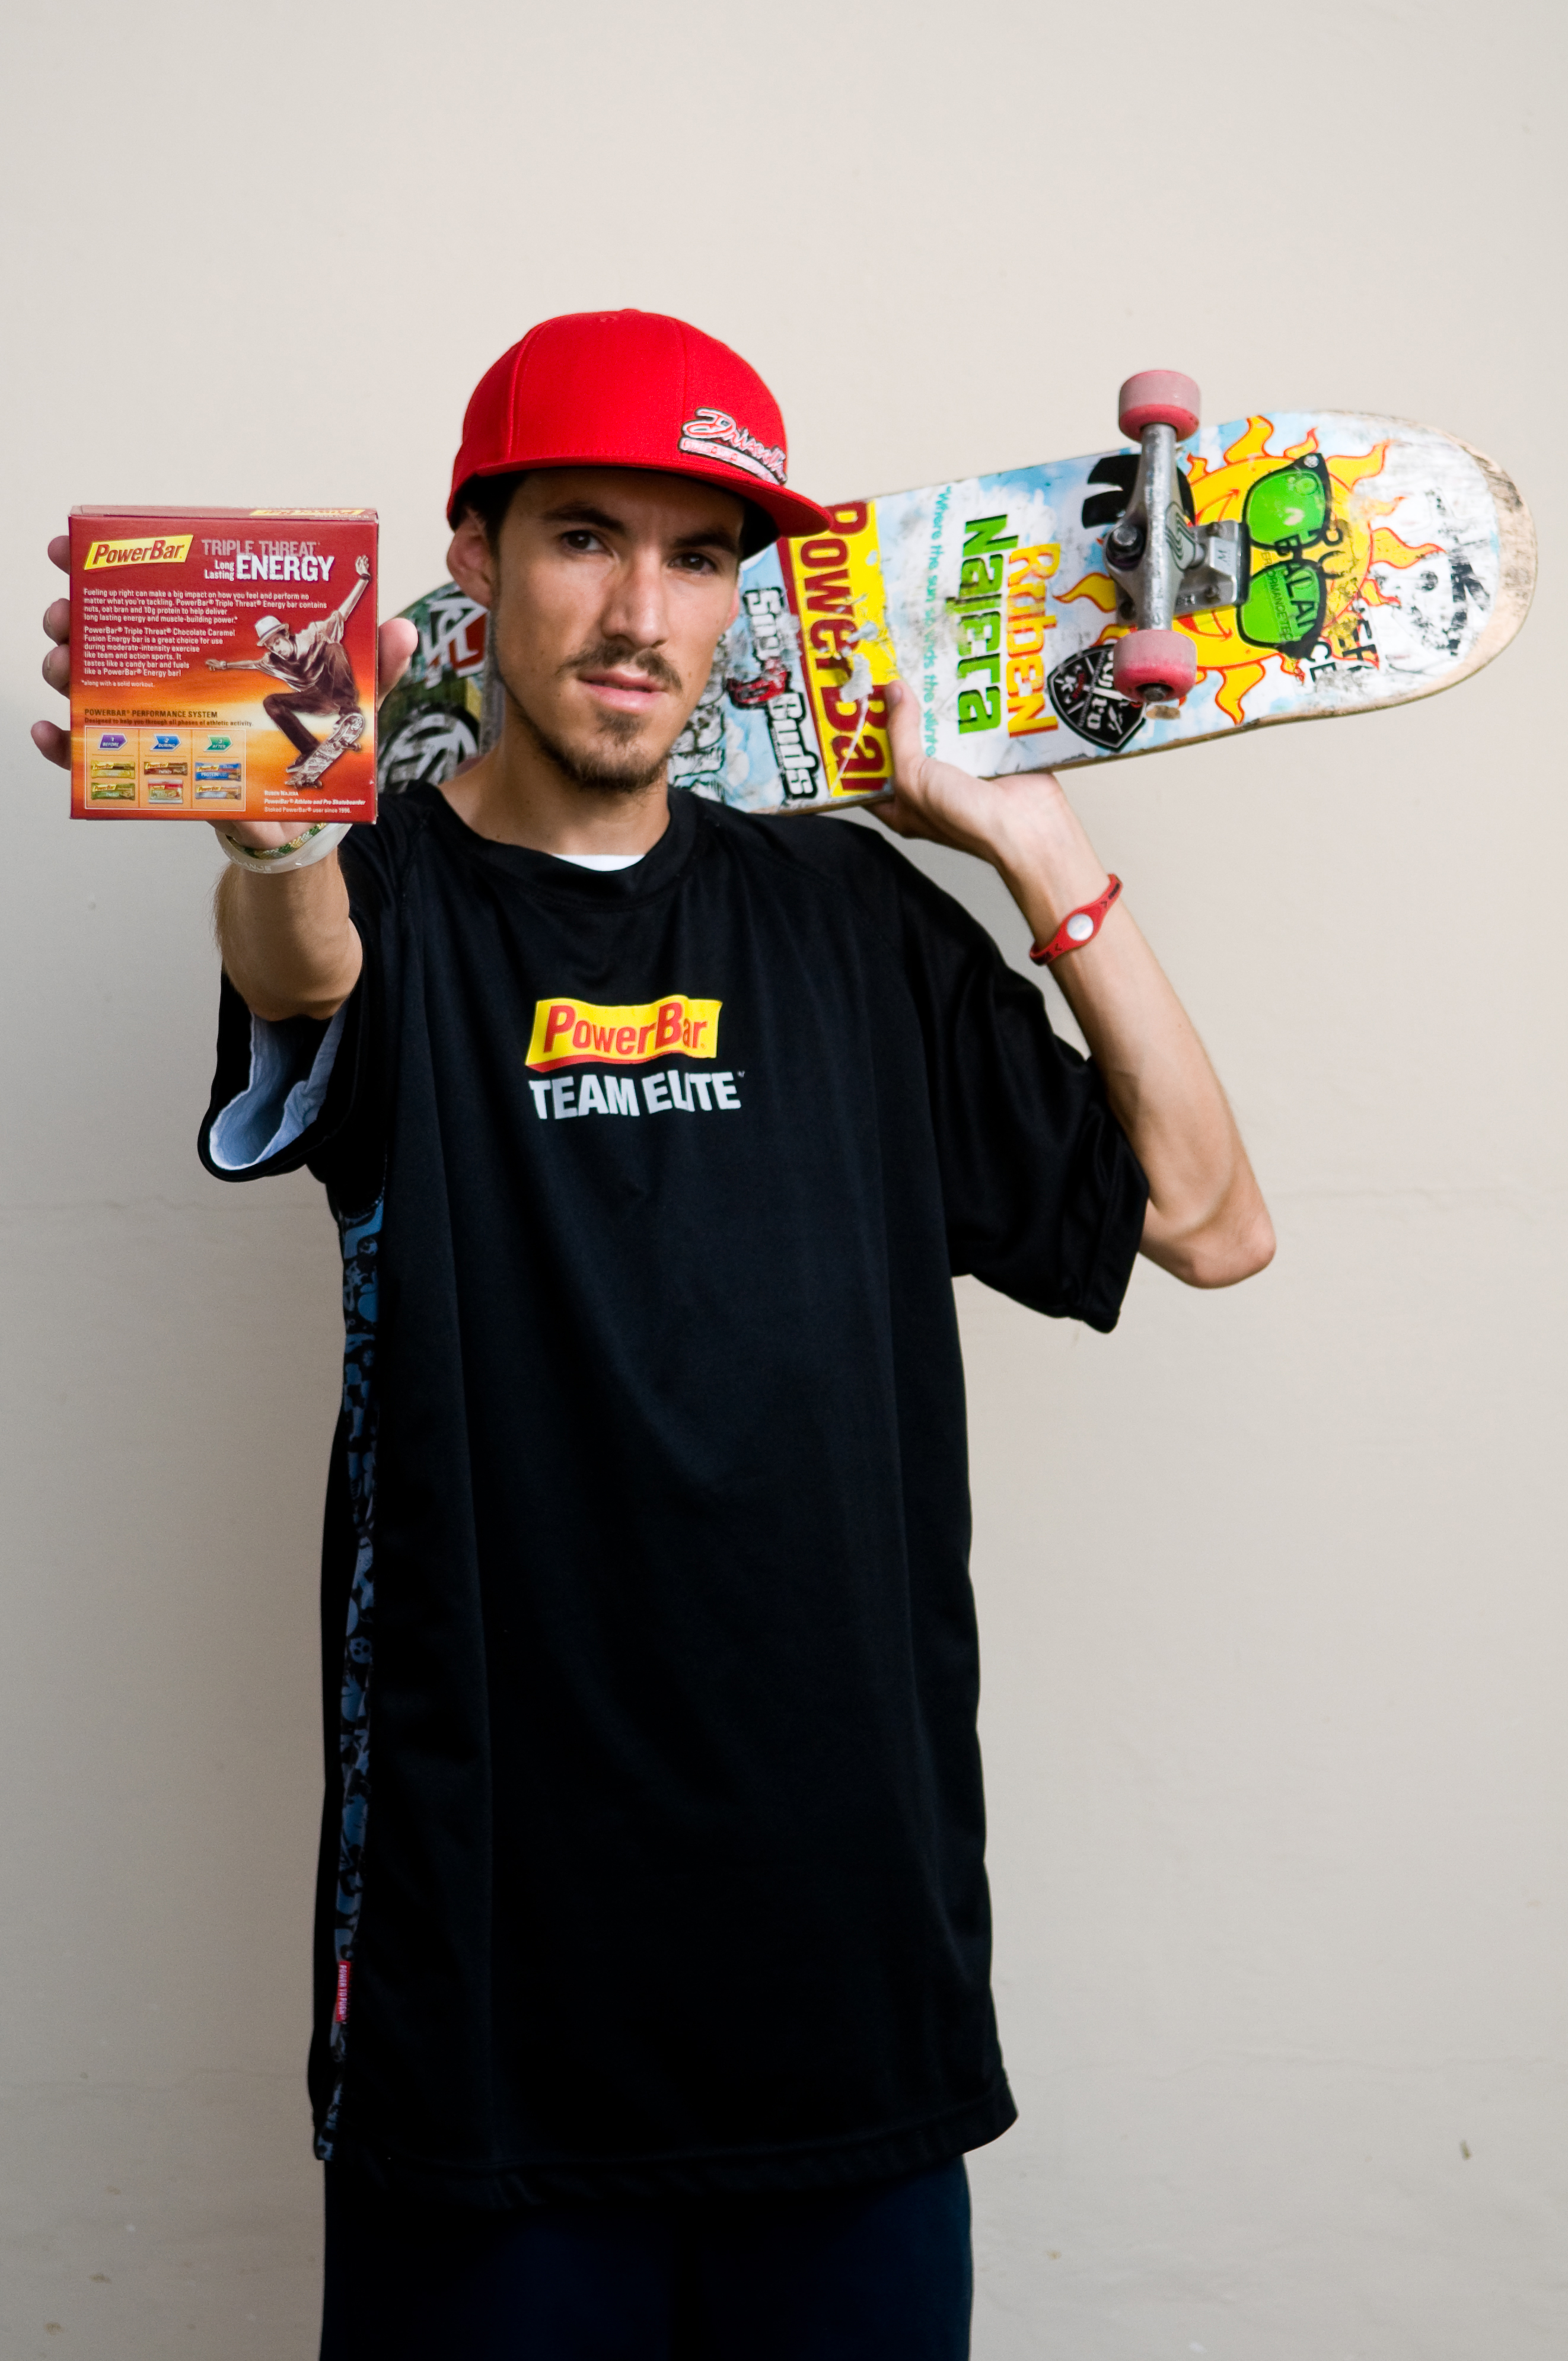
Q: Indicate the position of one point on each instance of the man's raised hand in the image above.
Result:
(996, 819)
(395, 645)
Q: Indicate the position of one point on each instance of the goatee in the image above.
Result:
(603, 772)
(607, 769)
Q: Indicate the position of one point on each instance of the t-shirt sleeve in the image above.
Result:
(1044, 1196)
(276, 1079)
(301, 1093)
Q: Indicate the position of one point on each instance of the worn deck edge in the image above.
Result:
(1516, 589)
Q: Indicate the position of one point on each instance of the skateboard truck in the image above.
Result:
(1163, 564)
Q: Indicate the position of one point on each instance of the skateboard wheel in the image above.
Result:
(1158, 398)
(1154, 664)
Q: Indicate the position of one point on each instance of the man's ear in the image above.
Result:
(471, 562)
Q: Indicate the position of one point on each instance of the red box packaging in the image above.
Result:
(222, 663)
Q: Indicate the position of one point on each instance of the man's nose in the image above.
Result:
(636, 605)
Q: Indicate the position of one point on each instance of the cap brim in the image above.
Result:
(788, 512)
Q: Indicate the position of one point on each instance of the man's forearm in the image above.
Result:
(1207, 1221)
(288, 945)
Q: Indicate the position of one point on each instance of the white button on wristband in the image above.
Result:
(1078, 926)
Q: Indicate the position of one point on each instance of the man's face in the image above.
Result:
(608, 589)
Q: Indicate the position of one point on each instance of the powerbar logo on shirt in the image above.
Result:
(581, 1032)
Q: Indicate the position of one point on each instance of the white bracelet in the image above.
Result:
(271, 860)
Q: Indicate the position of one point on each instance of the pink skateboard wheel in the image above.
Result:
(1158, 398)
(1147, 663)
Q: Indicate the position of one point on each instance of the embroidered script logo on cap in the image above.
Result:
(713, 435)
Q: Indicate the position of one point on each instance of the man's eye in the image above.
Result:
(581, 539)
(696, 561)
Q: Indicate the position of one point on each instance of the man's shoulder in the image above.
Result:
(857, 863)
(843, 854)
(378, 853)
(399, 817)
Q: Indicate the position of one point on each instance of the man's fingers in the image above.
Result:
(395, 645)
(53, 742)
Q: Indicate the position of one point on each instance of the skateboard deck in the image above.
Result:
(1382, 561)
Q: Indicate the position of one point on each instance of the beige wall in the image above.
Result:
(1271, 1582)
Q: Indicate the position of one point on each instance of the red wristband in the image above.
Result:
(1078, 926)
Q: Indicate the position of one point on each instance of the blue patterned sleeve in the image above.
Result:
(298, 1093)
(303, 1093)
(290, 1067)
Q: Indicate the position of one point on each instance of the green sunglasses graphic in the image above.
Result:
(1287, 512)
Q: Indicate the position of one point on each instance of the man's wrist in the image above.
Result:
(1048, 864)
(303, 851)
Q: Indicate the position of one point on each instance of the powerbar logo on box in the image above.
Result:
(161, 549)
(577, 1032)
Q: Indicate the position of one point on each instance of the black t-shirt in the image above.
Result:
(652, 1856)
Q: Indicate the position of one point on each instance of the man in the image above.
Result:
(319, 678)
(652, 1949)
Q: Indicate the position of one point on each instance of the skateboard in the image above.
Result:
(1199, 582)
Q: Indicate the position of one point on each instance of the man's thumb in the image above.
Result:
(903, 726)
(395, 646)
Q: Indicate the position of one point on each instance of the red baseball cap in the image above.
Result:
(632, 389)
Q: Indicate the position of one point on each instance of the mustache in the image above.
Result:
(622, 653)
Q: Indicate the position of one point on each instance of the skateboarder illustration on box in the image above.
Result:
(318, 677)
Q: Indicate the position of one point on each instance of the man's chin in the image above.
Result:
(619, 755)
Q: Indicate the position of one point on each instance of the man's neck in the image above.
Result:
(517, 795)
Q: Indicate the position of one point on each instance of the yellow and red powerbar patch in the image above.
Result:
(152, 549)
(582, 1032)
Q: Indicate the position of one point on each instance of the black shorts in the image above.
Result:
(879, 2273)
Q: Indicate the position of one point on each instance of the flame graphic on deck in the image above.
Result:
(1355, 541)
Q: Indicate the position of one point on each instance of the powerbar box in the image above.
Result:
(222, 663)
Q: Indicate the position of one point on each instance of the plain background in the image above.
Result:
(1270, 1582)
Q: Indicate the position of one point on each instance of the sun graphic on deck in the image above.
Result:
(1336, 562)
